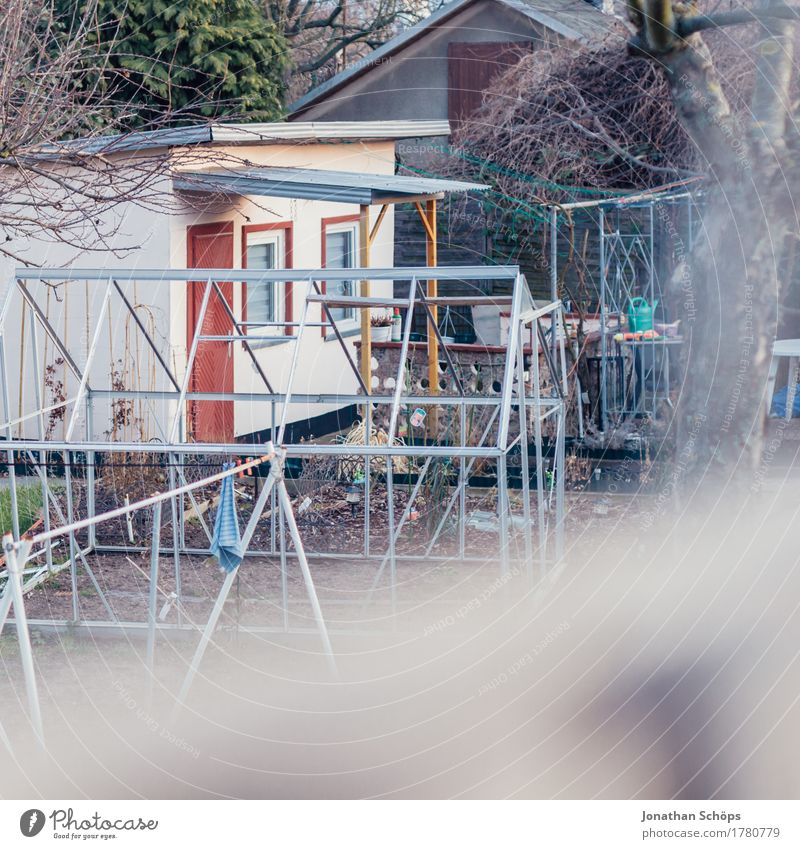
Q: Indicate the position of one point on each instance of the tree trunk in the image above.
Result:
(733, 290)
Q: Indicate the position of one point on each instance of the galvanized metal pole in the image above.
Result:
(205, 639)
(6, 742)
(462, 485)
(503, 509)
(298, 341)
(560, 473)
(90, 355)
(12, 476)
(260, 503)
(537, 446)
(222, 596)
(37, 394)
(198, 331)
(284, 562)
(5, 605)
(367, 476)
(90, 476)
(511, 355)
(73, 548)
(159, 275)
(523, 444)
(176, 553)
(273, 494)
(392, 558)
(283, 498)
(153, 596)
(401, 364)
(561, 459)
(656, 368)
(390, 460)
(603, 324)
(553, 276)
(16, 555)
(455, 496)
(400, 525)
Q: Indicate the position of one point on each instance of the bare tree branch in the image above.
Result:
(699, 23)
(326, 35)
(61, 181)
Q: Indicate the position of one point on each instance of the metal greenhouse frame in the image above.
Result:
(619, 254)
(527, 410)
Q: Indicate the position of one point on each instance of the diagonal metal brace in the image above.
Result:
(442, 346)
(51, 332)
(232, 318)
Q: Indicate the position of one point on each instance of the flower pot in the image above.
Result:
(381, 334)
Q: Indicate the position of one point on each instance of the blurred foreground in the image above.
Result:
(662, 664)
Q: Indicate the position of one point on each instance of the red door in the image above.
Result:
(210, 246)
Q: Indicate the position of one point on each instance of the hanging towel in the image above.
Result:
(226, 544)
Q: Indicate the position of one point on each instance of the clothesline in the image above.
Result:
(149, 502)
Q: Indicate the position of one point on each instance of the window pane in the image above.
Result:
(339, 254)
(339, 249)
(261, 256)
(261, 296)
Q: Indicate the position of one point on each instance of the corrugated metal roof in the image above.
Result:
(327, 130)
(276, 133)
(312, 184)
(576, 20)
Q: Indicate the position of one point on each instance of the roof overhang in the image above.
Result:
(312, 184)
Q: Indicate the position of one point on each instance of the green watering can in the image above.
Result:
(640, 315)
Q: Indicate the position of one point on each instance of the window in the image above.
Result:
(341, 251)
(264, 301)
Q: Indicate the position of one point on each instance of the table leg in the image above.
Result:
(666, 356)
(791, 389)
(773, 372)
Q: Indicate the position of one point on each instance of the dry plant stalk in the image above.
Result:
(350, 466)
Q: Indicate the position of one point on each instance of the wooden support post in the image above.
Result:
(431, 255)
(364, 241)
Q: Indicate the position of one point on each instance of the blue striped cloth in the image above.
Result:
(226, 543)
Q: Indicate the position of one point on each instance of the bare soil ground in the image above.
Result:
(350, 590)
